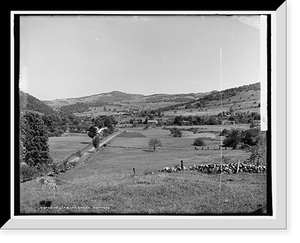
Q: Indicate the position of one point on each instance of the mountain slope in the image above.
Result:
(242, 98)
(29, 102)
(93, 99)
(117, 96)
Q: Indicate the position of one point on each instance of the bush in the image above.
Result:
(78, 153)
(146, 127)
(96, 141)
(28, 172)
(251, 136)
(199, 142)
(31, 172)
(259, 151)
(92, 131)
(225, 132)
(178, 121)
(176, 132)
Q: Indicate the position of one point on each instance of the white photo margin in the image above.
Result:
(279, 155)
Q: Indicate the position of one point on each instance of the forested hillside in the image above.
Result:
(55, 123)
(29, 102)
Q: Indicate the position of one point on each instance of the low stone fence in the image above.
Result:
(172, 148)
(218, 168)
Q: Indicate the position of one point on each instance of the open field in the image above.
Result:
(172, 151)
(117, 108)
(61, 147)
(105, 184)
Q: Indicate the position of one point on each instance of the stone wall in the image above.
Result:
(218, 168)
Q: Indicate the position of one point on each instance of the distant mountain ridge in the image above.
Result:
(97, 98)
(244, 97)
(121, 96)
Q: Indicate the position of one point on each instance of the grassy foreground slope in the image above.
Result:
(160, 193)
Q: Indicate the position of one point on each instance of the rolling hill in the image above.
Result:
(243, 98)
(117, 96)
(93, 100)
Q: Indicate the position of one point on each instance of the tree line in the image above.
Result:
(253, 140)
(237, 117)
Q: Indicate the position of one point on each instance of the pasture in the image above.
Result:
(62, 147)
(173, 150)
(106, 184)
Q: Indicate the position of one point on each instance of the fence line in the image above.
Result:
(169, 148)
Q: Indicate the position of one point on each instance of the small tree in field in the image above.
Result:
(154, 143)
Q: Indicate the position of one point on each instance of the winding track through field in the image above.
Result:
(93, 149)
(102, 143)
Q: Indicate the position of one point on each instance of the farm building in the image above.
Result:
(152, 122)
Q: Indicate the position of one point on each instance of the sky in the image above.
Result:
(80, 55)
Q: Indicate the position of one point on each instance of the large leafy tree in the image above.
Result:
(34, 139)
(233, 139)
(251, 136)
(55, 125)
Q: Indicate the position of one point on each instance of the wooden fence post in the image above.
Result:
(238, 167)
(181, 164)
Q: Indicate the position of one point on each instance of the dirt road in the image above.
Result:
(105, 141)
